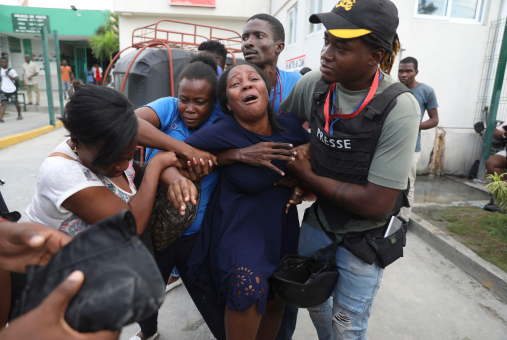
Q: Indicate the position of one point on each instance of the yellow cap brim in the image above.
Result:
(348, 33)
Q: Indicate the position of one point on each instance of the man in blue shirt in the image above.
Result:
(425, 95)
(263, 41)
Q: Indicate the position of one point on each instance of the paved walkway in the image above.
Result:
(422, 296)
(35, 117)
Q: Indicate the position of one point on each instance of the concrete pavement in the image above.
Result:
(422, 296)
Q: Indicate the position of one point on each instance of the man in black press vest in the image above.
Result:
(363, 134)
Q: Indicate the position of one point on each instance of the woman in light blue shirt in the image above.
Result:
(178, 118)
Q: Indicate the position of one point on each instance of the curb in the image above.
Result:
(486, 273)
(21, 137)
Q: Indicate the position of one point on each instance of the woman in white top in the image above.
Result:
(90, 176)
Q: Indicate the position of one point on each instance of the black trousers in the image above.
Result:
(176, 255)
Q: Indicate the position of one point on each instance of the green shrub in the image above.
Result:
(498, 189)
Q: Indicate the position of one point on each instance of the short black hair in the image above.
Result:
(222, 95)
(4, 54)
(215, 47)
(4, 58)
(304, 70)
(409, 60)
(276, 25)
(101, 117)
(202, 67)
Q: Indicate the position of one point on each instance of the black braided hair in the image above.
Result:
(276, 25)
(222, 96)
(391, 50)
(202, 67)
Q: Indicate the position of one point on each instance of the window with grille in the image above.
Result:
(14, 45)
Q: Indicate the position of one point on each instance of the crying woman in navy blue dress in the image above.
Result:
(246, 230)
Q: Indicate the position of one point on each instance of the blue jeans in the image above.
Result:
(344, 316)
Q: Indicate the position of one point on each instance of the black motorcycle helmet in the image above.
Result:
(303, 282)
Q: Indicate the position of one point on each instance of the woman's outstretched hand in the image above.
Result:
(181, 191)
(263, 153)
(295, 198)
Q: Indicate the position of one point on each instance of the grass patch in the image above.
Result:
(450, 218)
(483, 232)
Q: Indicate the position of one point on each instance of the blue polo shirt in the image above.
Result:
(171, 124)
(288, 80)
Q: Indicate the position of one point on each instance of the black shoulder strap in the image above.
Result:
(320, 89)
(376, 107)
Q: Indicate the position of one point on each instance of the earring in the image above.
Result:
(75, 150)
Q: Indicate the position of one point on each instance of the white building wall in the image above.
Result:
(229, 14)
(450, 56)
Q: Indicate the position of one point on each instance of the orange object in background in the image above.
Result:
(66, 71)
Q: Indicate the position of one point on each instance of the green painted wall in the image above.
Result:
(65, 21)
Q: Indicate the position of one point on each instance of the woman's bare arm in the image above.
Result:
(97, 203)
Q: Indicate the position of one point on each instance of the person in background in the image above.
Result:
(89, 76)
(305, 70)
(66, 72)
(30, 73)
(263, 41)
(23, 244)
(8, 89)
(6, 56)
(427, 100)
(97, 74)
(217, 50)
(498, 162)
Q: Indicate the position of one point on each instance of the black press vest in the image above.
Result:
(346, 155)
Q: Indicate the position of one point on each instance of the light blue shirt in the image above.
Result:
(288, 80)
(427, 100)
(171, 124)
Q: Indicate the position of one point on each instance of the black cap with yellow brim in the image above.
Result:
(355, 18)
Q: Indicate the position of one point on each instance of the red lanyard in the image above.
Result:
(281, 93)
(366, 101)
(3, 220)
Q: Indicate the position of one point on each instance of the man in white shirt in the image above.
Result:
(30, 73)
(8, 89)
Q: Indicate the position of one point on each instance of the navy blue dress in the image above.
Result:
(245, 231)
